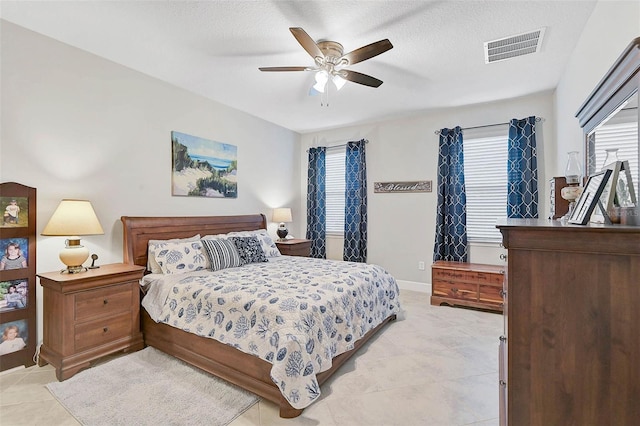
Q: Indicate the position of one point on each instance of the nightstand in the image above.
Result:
(89, 315)
(295, 247)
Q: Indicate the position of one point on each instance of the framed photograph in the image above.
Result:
(203, 168)
(14, 336)
(14, 294)
(15, 212)
(14, 253)
(590, 197)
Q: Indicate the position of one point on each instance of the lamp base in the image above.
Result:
(74, 269)
(282, 232)
(74, 255)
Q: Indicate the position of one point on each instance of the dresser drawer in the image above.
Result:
(469, 276)
(97, 332)
(491, 295)
(455, 290)
(103, 302)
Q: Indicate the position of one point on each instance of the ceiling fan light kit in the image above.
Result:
(330, 63)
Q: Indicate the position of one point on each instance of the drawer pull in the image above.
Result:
(503, 293)
(503, 338)
(105, 301)
(503, 256)
(454, 290)
(105, 329)
(502, 383)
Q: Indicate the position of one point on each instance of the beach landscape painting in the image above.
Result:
(203, 168)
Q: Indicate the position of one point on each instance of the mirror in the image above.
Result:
(609, 119)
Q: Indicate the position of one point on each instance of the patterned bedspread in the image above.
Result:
(294, 312)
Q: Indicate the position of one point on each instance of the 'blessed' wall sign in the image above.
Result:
(419, 186)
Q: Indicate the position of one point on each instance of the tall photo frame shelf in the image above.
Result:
(17, 276)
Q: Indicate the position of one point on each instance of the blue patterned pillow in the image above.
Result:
(222, 253)
(249, 249)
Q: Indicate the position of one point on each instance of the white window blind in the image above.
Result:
(485, 176)
(335, 189)
(623, 136)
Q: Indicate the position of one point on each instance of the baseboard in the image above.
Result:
(414, 286)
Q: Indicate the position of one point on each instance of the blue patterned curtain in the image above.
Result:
(451, 217)
(355, 211)
(316, 203)
(522, 169)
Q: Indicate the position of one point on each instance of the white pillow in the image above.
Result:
(178, 258)
(266, 242)
(152, 265)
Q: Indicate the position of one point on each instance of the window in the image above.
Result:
(485, 177)
(335, 159)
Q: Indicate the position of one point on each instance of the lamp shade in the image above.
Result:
(73, 217)
(282, 215)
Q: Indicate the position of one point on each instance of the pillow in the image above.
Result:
(222, 253)
(266, 242)
(152, 265)
(249, 249)
(178, 258)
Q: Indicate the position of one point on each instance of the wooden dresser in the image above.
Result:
(467, 284)
(89, 315)
(571, 347)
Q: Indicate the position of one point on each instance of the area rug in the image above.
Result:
(149, 387)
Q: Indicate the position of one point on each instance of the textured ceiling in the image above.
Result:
(214, 48)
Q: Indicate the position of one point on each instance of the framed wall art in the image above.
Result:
(17, 275)
(203, 168)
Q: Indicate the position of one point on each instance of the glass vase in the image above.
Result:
(573, 171)
(611, 157)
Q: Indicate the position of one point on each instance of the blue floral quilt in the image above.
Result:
(296, 313)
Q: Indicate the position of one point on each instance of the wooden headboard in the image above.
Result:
(139, 230)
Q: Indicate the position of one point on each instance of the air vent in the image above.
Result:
(513, 46)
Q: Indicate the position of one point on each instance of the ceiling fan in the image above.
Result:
(330, 61)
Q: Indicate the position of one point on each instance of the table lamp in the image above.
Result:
(71, 219)
(282, 215)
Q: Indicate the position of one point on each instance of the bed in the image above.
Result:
(229, 360)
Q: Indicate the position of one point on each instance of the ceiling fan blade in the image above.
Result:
(368, 51)
(306, 42)
(360, 78)
(283, 68)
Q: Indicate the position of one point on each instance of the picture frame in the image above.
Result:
(203, 167)
(590, 198)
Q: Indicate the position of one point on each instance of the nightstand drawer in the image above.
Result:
(99, 303)
(95, 333)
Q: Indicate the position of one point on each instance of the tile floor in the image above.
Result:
(436, 366)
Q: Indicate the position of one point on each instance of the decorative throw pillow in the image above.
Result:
(178, 258)
(249, 249)
(266, 242)
(222, 253)
(153, 245)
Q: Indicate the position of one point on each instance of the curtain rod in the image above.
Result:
(538, 119)
(366, 141)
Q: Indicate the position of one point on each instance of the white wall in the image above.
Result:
(402, 226)
(611, 27)
(75, 125)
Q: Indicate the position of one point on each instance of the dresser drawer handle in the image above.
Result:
(502, 383)
(503, 293)
(105, 301)
(503, 338)
(454, 290)
(503, 257)
(105, 329)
